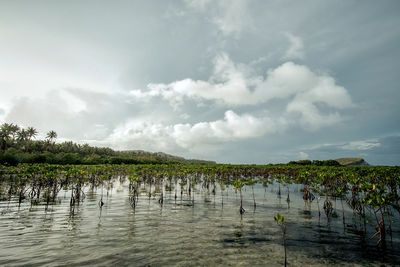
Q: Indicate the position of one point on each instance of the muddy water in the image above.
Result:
(195, 230)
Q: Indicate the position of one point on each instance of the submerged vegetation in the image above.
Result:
(373, 190)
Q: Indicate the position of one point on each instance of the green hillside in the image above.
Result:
(352, 162)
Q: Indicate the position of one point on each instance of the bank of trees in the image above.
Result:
(20, 145)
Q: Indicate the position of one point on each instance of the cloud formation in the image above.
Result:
(157, 136)
(234, 85)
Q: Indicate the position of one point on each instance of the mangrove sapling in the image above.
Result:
(288, 198)
(379, 200)
(381, 231)
(182, 185)
(213, 190)
(193, 182)
(340, 192)
(307, 195)
(150, 189)
(328, 207)
(280, 220)
(161, 199)
(176, 189)
(265, 185)
(252, 182)
(221, 188)
(132, 198)
(21, 196)
(389, 229)
(288, 195)
(319, 212)
(238, 184)
(279, 191)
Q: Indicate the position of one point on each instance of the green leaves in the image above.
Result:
(250, 182)
(238, 184)
(279, 219)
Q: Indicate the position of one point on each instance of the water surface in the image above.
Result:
(191, 230)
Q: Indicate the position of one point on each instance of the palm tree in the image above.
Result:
(50, 139)
(51, 136)
(8, 132)
(3, 138)
(14, 129)
(22, 135)
(32, 132)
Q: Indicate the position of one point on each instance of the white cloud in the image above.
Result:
(296, 48)
(361, 145)
(158, 137)
(303, 155)
(357, 145)
(233, 85)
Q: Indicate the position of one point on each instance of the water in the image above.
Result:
(181, 233)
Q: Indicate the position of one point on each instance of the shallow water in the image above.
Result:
(184, 232)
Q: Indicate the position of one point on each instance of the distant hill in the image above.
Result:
(352, 162)
(332, 162)
(160, 156)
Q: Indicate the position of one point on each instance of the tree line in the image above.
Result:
(19, 145)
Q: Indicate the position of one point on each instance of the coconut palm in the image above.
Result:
(14, 129)
(8, 132)
(3, 139)
(51, 136)
(22, 135)
(32, 132)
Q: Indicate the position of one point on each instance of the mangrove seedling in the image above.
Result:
(280, 220)
(252, 182)
(238, 184)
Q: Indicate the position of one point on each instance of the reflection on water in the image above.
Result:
(203, 228)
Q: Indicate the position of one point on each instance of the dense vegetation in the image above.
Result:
(366, 190)
(17, 145)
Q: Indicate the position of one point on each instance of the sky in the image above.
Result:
(232, 81)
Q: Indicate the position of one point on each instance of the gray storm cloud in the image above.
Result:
(242, 81)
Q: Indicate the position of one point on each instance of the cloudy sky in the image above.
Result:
(231, 81)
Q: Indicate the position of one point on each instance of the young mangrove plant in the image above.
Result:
(238, 184)
(280, 220)
(221, 188)
(379, 199)
(251, 182)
